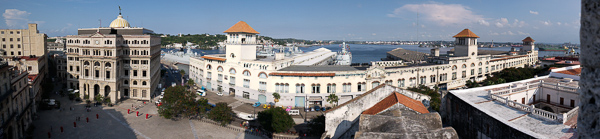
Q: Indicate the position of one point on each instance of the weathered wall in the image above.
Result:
(469, 122)
(341, 118)
(588, 121)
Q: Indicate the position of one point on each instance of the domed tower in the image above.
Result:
(528, 44)
(241, 42)
(119, 22)
(465, 43)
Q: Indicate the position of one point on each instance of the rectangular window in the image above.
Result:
(232, 80)
(70, 68)
(219, 77)
(144, 73)
(126, 72)
(134, 72)
(464, 74)
(287, 88)
(97, 73)
(262, 86)
(87, 73)
(107, 74)
(572, 103)
(472, 71)
(479, 71)
(432, 80)
(134, 92)
(246, 83)
(144, 61)
(143, 93)
(562, 101)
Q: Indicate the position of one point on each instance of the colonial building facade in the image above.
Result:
(114, 62)
(241, 73)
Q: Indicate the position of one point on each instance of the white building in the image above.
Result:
(541, 107)
(242, 74)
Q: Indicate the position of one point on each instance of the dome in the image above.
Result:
(119, 22)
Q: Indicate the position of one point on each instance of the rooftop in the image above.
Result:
(466, 33)
(528, 39)
(396, 98)
(322, 68)
(515, 118)
(408, 55)
(241, 27)
(576, 71)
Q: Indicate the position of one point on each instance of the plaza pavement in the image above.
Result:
(114, 122)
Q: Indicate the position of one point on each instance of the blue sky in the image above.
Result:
(549, 21)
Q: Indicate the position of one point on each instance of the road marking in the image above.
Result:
(193, 129)
(126, 125)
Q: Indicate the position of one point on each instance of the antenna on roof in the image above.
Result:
(119, 9)
(100, 21)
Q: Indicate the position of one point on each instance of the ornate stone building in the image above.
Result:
(18, 103)
(115, 62)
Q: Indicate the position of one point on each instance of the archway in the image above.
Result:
(106, 91)
(96, 90)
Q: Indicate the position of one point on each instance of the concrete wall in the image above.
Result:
(341, 118)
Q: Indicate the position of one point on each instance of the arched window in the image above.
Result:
(134, 82)
(480, 63)
(454, 67)
(86, 63)
(464, 66)
(246, 73)
(97, 64)
(208, 67)
(262, 75)
(143, 82)
(107, 64)
(472, 64)
(125, 82)
(220, 69)
(487, 63)
(232, 71)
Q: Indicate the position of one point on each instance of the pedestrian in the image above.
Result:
(97, 116)
(87, 119)
(61, 129)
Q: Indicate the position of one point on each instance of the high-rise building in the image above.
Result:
(114, 62)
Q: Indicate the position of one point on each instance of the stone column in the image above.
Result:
(588, 121)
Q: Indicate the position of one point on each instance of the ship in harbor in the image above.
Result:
(343, 57)
(563, 48)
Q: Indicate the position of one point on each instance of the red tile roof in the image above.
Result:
(303, 74)
(466, 33)
(213, 58)
(394, 98)
(241, 27)
(29, 58)
(563, 62)
(576, 71)
(528, 39)
(32, 77)
(507, 58)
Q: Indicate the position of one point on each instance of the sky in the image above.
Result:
(546, 21)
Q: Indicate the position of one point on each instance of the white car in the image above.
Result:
(201, 92)
(173, 84)
(219, 93)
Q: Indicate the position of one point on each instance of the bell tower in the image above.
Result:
(528, 44)
(465, 43)
(241, 42)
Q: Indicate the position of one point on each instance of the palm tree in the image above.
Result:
(332, 98)
(182, 72)
(277, 97)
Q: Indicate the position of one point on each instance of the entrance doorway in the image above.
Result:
(96, 90)
(106, 91)
(231, 91)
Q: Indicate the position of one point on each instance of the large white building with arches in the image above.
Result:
(114, 62)
(241, 73)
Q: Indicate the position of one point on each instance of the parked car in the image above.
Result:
(220, 93)
(173, 84)
(317, 108)
(201, 92)
(294, 112)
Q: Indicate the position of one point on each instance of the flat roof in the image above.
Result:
(528, 124)
(322, 68)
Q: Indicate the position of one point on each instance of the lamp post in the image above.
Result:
(305, 104)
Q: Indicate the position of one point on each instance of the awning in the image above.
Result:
(315, 98)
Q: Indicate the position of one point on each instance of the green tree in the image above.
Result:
(332, 98)
(471, 84)
(98, 98)
(317, 125)
(178, 102)
(436, 99)
(182, 72)
(221, 113)
(275, 120)
(191, 82)
(276, 97)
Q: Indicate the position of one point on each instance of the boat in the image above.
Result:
(343, 57)
(554, 48)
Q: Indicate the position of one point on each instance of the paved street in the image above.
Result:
(114, 122)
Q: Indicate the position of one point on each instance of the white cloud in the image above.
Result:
(558, 23)
(547, 23)
(422, 26)
(374, 34)
(15, 17)
(503, 22)
(443, 14)
(498, 24)
(495, 33)
(533, 12)
(522, 33)
(507, 33)
(483, 22)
